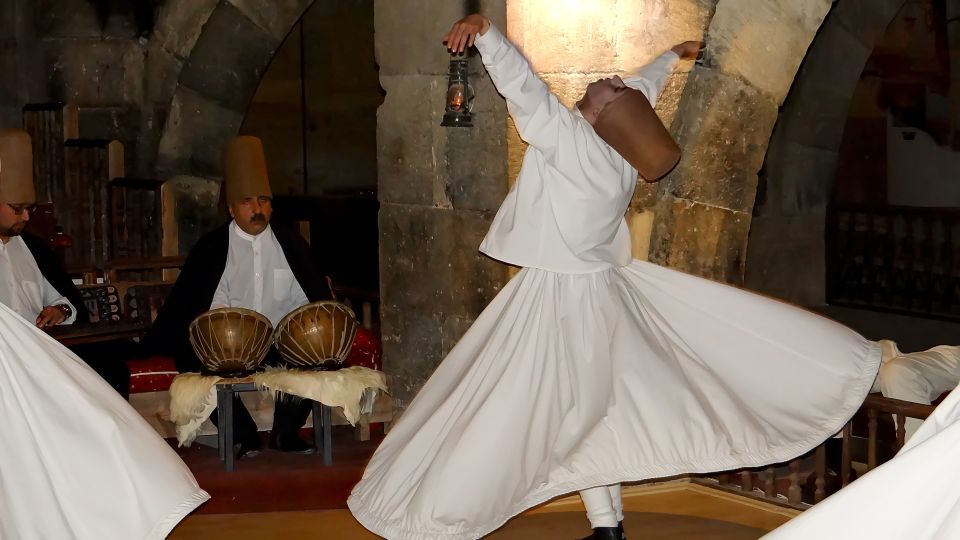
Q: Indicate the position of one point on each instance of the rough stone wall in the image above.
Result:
(786, 256)
(172, 94)
(438, 190)
(573, 44)
(723, 123)
(62, 50)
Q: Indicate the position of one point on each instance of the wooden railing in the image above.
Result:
(894, 258)
(784, 483)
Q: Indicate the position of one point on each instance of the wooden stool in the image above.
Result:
(228, 388)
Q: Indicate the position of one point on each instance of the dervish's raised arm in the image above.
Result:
(535, 110)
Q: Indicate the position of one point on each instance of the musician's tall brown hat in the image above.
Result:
(630, 125)
(245, 169)
(16, 168)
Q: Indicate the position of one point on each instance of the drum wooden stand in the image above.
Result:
(228, 388)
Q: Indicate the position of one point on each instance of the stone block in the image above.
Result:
(195, 202)
(194, 134)
(702, 240)
(816, 110)
(411, 144)
(786, 258)
(799, 179)
(229, 58)
(476, 164)
(95, 73)
(162, 72)
(604, 36)
(764, 42)
(179, 24)
(403, 48)
(429, 260)
(276, 17)
(723, 127)
(434, 283)
(411, 350)
(865, 19)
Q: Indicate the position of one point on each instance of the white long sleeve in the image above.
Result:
(538, 113)
(23, 288)
(565, 211)
(651, 78)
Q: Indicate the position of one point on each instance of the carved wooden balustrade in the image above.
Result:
(894, 258)
(807, 479)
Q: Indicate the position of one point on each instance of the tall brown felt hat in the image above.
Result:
(630, 125)
(16, 167)
(245, 169)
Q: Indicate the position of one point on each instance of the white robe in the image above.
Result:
(76, 461)
(913, 496)
(589, 369)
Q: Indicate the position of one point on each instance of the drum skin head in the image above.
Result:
(316, 335)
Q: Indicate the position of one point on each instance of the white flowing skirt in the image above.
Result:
(915, 495)
(570, 381)
(76, 460)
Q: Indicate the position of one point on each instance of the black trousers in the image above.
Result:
(289, 414)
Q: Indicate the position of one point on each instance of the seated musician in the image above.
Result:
(244, 264)
(32, 281)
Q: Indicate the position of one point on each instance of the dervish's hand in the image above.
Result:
(49, 317)
(461, 35)
(688, 50)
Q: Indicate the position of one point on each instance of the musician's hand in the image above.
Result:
(461, 35)
(688, 50)
(50, 317)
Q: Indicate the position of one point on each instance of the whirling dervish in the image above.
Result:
(589, 368)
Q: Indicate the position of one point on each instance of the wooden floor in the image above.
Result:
(677, 510)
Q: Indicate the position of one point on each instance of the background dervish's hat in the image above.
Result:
(245, 169)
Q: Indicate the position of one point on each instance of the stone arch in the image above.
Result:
(724, 123)
(797, 182)
(208, 57)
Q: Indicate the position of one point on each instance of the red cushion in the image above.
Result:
(366, 350)
(153, 374)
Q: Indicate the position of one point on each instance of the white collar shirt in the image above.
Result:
(257, 276)
(23, 288)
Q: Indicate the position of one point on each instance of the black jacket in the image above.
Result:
(52, 270)
(199, 277)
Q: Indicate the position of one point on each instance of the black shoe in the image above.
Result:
(249, 449)
(605, 533)
(292, 445)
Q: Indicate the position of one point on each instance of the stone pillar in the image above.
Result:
(438, 190)
(726, 115)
